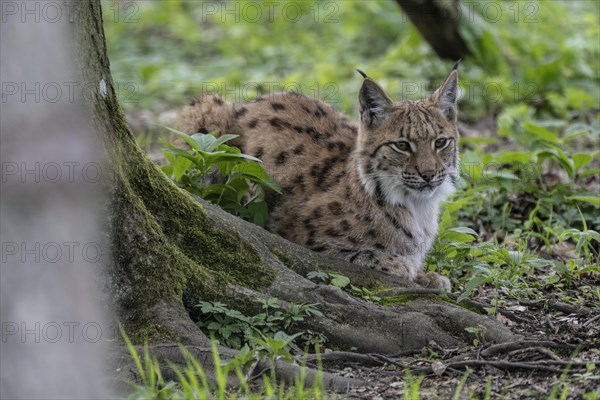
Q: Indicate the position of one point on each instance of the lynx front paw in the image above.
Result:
(432, 280)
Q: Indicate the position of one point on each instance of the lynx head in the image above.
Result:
(408, 150)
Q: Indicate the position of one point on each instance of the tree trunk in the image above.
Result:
(437, 21)
(170, 251)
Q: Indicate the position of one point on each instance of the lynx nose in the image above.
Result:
(427, 175)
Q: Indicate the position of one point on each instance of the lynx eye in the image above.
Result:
(401, 147)
(441, 143)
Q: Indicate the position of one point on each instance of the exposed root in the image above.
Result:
(559, 306)
(542, 365)
(342, 357)
(481, 307)
(524, 344)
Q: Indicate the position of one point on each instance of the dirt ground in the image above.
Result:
(559, 355)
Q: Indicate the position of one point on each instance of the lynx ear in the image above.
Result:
(445, 96)
(374, 103)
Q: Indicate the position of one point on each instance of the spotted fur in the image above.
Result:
(368, 192)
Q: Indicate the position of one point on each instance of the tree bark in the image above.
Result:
(170, 251)
(438, 22)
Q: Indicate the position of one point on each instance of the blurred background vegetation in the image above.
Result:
(527, 215)
(542, 54)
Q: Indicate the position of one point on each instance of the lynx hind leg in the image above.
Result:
(433, 280)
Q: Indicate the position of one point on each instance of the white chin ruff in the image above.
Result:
(396, 194)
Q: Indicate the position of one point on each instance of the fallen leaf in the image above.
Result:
(504, 320)
(438, 368)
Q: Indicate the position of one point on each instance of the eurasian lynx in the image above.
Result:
(368, 193)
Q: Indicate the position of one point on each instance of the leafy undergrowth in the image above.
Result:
(241, 178)
(235, 330)
(519, 239)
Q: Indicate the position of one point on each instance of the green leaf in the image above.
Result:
(589, 172)
(213, 326)
(595, 200)
(458, 235)
(339, 281)
(259, 212)
(167, 170)
(196, 159)
(222, 139)
(512, 157)
(464, 229)
(187, 138)
(473, 283)
(322, 276)
(579, 99)
(270, 183)
(557, 154)
(205, 141)
(506, 174)
(540, 132)
(221, 156)
(251, 170)
(581, 160)
(240, 186)
(181, 165)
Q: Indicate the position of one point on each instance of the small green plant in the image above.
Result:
(412, 386)
(192, 381)
(153, 385)
(461, 384)
(234, 329)
(242, 190)
(276, 347)
(342, 282)
(478, 332)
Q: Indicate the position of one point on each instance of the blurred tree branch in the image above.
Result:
(438, 21)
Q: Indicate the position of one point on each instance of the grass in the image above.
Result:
(193, 382)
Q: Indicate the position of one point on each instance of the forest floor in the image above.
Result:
(536, 371)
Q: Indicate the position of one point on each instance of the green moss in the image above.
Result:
(378, 288)
(153, 333)
(397, 300)
(463, 305)
(283, 257)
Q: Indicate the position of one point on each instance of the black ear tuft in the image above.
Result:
(374, 103)
(446, 95)
(362, 73)
(456, 64)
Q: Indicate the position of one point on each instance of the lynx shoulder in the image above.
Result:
(367, 192)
